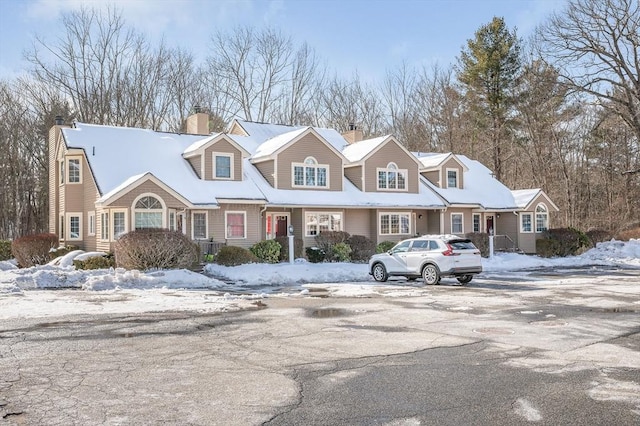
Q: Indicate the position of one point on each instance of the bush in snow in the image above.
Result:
(234, 256)
(315, 254)
(284, 247)
(61, 251)
(385, 246)
(5, 250)
(32, 250)
(96, 262)
(561, 242)
(267, 251)
(481, 241)
(326, 240)
(341, 252)
(362, 248)
(145, 249)
(598, 236)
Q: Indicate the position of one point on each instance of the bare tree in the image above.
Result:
(596, 45)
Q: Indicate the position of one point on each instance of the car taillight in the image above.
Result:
(449, 251)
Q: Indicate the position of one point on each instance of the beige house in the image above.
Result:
(257, 180)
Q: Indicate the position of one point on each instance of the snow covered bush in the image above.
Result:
(5, 250)
(32, 250)
(234, 256)
(267, 251)
(96, 262)
(145, 249)
(362, 248)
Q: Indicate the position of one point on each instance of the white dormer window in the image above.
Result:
(392, 178)
(310, 174)
(222, 165)
(452, 178)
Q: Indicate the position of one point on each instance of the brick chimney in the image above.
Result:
(354, 134)
(198, 123)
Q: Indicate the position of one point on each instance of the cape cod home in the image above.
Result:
(257, 180)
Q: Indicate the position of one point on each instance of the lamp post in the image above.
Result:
(290, 235)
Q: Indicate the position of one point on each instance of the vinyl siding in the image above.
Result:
(452, 164)
(390, 152)
(433, 177)
(354, 174)
(467, 220)
(253, 221)
(196, 163)
(147, 187)
(267, 170)
(356, 222)
(310, 241)
(222, 146)
(433, 222)
(309, 145)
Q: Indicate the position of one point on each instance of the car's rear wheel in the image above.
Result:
(464, 279)
(379, 272)
(431, 274)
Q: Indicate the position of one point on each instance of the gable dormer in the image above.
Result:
(445, 171)
(382, 165)
(216, 158)
(300, 159)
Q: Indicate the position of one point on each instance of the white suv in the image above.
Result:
(430, 257)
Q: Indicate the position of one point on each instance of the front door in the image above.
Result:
(281, 225)
(490, 226)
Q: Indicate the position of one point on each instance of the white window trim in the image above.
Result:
(91, 223)
(68, 169)
(462, 222)
(531, 221)
(479, 216)
(380, 214)
(226, 229)
(546, 213)
(405, 172)
(206, 224)
(304, 166)
(102, 224)
(174, 214)
(306, 234)
(112, 223)
(67, 231)
(163, 210)
(231, 163)
(446, 178)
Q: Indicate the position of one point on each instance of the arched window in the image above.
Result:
(148, 212)
(542, 218)
(310, 173)
(392, 178)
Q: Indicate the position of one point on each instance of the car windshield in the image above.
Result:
(461, 244)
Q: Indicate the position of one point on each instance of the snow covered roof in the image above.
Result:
(108, 148)
(358, 150)
(272, 145)
(480, 188)
(523, 197)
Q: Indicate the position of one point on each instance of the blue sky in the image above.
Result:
(369, 37)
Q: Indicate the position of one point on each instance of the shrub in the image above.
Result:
(234, 256)
(341, 252)
(315, 254)
(34, 249)
(267, 251)
(5, 250)
(385, 246)
(284, 247)
(325, 240)
(598, 235)
(155, 249)
(563, 242)
(96, 262)
(481, 241)
(362, 248)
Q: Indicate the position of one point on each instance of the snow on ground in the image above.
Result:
(147, 291)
